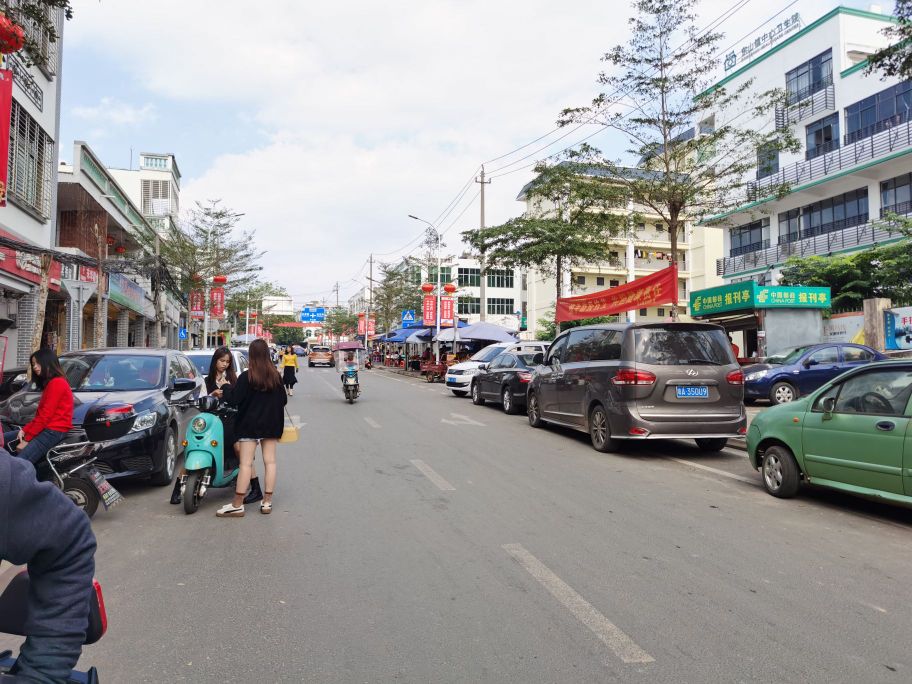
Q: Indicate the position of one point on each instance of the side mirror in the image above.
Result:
(829, 405)
(482, 366)
(538, 359)
(182, 385)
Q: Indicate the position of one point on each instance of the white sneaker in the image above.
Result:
(229, 511)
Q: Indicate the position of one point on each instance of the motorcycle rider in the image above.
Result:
(43, 530)
(350, 362)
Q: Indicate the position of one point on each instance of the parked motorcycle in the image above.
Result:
(14, 620)
(205, 450)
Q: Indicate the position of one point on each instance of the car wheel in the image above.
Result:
(168, 459)
(600, 431)
(81, 493)
(477, 399)
(533, 410)
(509, 403)
(192, 496)
(780, 472)
(783, 393)
(309, 364)
(711, 443)
(459, 393)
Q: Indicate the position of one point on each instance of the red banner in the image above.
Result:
(657, 288)
(217, 302)
(25, 265)
(446, 311)
(429, 310)
(371, 325)
(6, 106)
(197, 304)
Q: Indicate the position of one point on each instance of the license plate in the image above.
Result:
(692, 392)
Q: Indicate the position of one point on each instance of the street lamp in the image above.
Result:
(437, 317)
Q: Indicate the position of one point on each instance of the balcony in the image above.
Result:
(852, 154)
(808, 103)
(746, 249)
(812, 242)
(885, 125)
(620, 266)
(820, 150)
(901, 208)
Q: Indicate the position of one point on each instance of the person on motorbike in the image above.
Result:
(350, 362)
(54, 417)
(43, 530)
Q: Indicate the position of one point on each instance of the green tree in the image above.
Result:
(396, 293)
(895, 59)
(575, 213)
(341, 322)
(847, 277)
(548, 329)
(689, 134)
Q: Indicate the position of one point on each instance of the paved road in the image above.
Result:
(419, 538)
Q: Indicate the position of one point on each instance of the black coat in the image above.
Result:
(261, 414)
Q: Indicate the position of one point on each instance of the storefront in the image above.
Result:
(126, 308)
(764, 318)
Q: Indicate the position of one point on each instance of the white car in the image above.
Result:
(459, 376)
(201, 359)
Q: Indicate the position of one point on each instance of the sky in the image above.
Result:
(328, 123)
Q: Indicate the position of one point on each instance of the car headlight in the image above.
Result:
(144, 421)
(22, 377)
(198, 424)
(756, 375)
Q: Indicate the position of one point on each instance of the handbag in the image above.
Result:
(289, 431)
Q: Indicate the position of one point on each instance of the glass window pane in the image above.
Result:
(879, 393)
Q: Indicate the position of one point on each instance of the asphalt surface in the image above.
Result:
(419, 538)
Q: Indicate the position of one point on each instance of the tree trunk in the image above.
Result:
(42, 301)
(673, 235)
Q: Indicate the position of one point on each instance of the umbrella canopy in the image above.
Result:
(403, 334)
(244, 339)
(420, 337)
(487, 332)
(345, 346)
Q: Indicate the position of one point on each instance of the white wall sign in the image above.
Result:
(763, 41)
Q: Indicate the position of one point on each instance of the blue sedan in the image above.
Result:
(797, 371)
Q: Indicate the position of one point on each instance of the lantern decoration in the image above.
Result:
(220, 279)
(12, 37)
(449, 288)
(427, 288)
(120, 249)
(111, 241)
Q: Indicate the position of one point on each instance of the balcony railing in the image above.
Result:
(878, 145)
(897, 119)
(825, 243)
(833, 226)
(746, 249)
(815, 87)
(901, 208)
(813, 103)
(654, 264)
(820, 150)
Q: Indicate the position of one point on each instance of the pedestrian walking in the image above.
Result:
(260, 403)
(289, 370)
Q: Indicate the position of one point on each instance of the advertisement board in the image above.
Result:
(125, 292)
(447, 311)
(845, 327)
(217, 302)
(660, 287)
(429, 310)
(197, 304)
(898, 328)
(749, 295)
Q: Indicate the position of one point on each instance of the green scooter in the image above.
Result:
(205, 449)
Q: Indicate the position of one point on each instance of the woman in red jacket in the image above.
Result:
(54, 417)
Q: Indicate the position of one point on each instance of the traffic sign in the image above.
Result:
(182, 334)
(313, 314)
(409, 319)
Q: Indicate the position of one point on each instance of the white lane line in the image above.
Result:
(459, 419)
(432, 475)
(609, 633)
(716, 471)
(373, 423)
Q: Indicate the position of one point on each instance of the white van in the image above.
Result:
(459, 376)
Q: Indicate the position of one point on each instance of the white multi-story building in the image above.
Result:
(854, 163)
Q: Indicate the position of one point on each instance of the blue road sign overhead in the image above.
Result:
(313, 314)
(182, 333)
(409, 320)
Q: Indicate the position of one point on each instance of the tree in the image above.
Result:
(683, 128)
(36, 17)
(574, 216)
(341, 323)
(895, 59)
(395, 294)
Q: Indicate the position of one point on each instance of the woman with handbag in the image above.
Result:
(260, 401)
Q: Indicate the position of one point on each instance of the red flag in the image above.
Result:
(657, 288)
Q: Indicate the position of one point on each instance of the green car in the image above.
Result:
(852, 434)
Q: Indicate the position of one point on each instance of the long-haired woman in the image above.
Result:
(260, 401)
(54, 417)
(289, 369)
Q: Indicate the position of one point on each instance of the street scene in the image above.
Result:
(456, 343)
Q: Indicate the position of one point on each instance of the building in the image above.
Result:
(854, 163)
(28, 215)
(358, 302)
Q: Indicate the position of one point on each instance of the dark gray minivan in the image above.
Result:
(620, 381)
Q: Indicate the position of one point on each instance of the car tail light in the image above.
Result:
(631, 376)
(524, 376)
(742, 430)
(736, 377)
(638, 432)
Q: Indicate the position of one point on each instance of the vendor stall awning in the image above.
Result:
(483, 331)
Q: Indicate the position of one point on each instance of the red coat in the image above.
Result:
(55, 410)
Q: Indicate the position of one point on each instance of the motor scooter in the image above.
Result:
(14, 620)
(205, 449)
(350, 385)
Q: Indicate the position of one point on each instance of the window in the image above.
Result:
(660, 227)
(682, 346)
(660, 312)
(835, 213)
(469, 305)
(156, 198)
(581, 280)
(749, 238)
(556, 352)
(789, 226)
(767, 161)
(500, 278)
(614, 283)
(414, 274)
(808, 78)
(187, 367)
(31, 162)
(825, 357)
(174, 369)
(878, 112)
(45, 54)
(822, 136)
(644, 312)
(524, 280)
(469, 277)
(879, 393)
(501, 305)
(599, 280)
(856, 355)
(895, 195)
(446, 274)
(593, 345)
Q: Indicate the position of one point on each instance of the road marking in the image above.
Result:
(700, 466)
(459, 419)
(432, 475)
(609, 633)
(373, 423)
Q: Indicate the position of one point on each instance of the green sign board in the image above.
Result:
(749, 295)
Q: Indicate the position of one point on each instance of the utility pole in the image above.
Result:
(336, 290)
(482, 269)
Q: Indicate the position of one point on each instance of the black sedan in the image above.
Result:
(504, 380)
(122, 397)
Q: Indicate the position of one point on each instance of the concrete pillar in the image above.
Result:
(874, 328)
(28, 312)
(123, 328)
(139, 332)
(100, 318)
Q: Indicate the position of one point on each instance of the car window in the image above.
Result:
(832, 392)
(115, 372)
(201, 361)
(594, 345)
(787, 357)
(188, 370)
(507, 361)
(856, 354)
(556, 353)
(174, 369)
(882, 393)
(488, 354)
(241, 362)
(827, 355)
(526, 359)
(680, 346)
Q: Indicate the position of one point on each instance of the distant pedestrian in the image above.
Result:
(289, 370)
(260, 404)
(735, 347)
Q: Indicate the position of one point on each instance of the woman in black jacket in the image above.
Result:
(260, 401)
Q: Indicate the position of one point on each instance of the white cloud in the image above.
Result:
(113, 112)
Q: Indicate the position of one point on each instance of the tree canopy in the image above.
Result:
(396, 293)
(896, 59)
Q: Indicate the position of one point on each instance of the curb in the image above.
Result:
(739, 444)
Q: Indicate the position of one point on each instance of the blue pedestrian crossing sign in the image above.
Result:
(408, 319)
(182, 333)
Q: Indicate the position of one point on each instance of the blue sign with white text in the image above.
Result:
(409, 320)
(313, 314)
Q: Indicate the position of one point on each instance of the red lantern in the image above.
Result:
(120, 249)
(111, 241)
(427, 288)
(220, 279)
(449, 288)
(12, 37)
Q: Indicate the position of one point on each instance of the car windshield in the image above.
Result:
(112, 373)
(527, 359)
(683, 346)
(487, 354)
(788, 356)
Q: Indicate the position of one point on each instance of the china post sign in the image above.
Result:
(749, 295)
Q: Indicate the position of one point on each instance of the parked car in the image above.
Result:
(202, 359)
(643, 381)
(796, 371)
(14, 379)
(504, 380)
(320, 354)
(852, 434)
(122, 398)
(459, 376)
